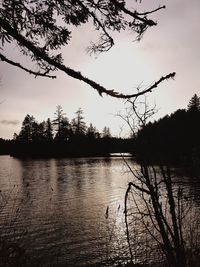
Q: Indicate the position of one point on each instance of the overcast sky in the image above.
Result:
(174, 45)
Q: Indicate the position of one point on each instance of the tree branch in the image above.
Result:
(137, 15)
(44, 74)
(152, 11)
(38, 52)
(109, 41)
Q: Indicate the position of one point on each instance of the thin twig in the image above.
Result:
(16, 64)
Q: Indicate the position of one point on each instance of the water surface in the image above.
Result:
(56, 208)
(68, 212)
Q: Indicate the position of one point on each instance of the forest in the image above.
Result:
(173, 138)
(62, 137)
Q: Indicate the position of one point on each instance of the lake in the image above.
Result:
(67, 212)
(56, 207)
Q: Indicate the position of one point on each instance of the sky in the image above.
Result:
(173, 45)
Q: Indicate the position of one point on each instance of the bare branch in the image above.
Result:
(152, 11)
(141, 189)
(150, 216)
(16, 64)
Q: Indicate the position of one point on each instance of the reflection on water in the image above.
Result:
(55, 208)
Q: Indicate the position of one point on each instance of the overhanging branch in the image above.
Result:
(139, 16)
(152, 11)
(75, 74)
(16, 64)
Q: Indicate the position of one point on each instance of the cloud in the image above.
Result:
(9, 122)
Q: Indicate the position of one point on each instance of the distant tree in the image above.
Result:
(40, 28)
(27, 129)
(59, 115)
(106, 132)
(92, 132)
(194, 103)
(65, 130)
(78, 124)
(38, 132)
(48, 130)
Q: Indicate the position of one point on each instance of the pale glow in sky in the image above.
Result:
(171, 46)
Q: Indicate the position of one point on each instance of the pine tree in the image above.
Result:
(106, 132)
(65, 129)
(92, 133)
(78, 124)
(194, 103)
(59, 115)
(48, 130)
(27, 129)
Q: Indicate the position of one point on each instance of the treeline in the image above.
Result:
(59, 129)
(62, 137)
(174, 138)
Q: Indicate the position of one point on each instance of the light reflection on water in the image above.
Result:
(55, 208)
